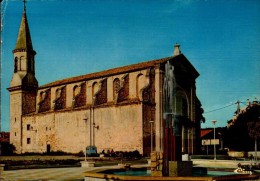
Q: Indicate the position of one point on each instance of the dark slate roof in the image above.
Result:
(24, 42)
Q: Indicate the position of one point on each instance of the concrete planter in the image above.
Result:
(149, 161)
(87, 164)
(236, 154)
(2, 166)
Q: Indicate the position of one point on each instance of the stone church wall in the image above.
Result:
(120, 128)
(65, 112)
(125, 104)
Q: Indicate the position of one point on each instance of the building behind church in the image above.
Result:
(119, 109)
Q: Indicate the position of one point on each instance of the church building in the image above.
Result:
(121, 108)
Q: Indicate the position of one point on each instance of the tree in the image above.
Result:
(7, 148)
(253, 131)
(244, 128)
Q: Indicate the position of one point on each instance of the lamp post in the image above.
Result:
(151, 135)
(97, 127)
(214, 124)
(85, 151)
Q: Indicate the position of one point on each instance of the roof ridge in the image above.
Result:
(104, 73)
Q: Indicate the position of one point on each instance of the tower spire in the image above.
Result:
(24, 42)
(24, 5)
(24, 64)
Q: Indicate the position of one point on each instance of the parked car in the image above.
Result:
(91, 151)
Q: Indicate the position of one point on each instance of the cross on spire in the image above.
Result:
(24, 6)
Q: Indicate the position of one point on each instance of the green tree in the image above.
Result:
(253, 131)
(7, 148)
(244, 130)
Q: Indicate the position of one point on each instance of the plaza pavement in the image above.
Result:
(227, 164)
(71, 173)
(76, 173)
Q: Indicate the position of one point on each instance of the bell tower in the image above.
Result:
(23, 86)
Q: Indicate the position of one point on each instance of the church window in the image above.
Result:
(15, 120)
(60, 98)
(58, 93)
(28, 127)
(76, 91)
(182, 106)
(41, 96)
(28, 140)
(15, 64)
(100, 92)
(14, 133)
(140, 81)
(21, 66)
(116, 87)
(94, 88)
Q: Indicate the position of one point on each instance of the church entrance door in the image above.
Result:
(48, 148)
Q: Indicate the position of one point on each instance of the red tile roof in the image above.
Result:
(119, 70)
(4, 137)
(204, 132)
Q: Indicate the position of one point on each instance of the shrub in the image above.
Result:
(7, 149)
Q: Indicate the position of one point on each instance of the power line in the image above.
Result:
(220, 108)
(237, 102)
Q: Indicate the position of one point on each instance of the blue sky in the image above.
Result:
(220, 38)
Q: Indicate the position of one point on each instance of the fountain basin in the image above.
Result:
(142, 173)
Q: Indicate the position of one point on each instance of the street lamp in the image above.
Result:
(97, 127)
(85, 151)
(151, 135)
(214, 123)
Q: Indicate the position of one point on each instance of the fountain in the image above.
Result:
(166, 164)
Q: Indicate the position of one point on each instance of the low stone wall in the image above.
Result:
(39, 157)
(237, 154)
(180, 168)
(253, 153)
(156, 163)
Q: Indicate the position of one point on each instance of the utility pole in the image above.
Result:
(85, 150)
(214, 123)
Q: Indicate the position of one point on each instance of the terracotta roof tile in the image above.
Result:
(204, 132)
(114, 71)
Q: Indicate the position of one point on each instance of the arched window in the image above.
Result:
(182, 105)
(42, 95)
(21, 63)
(15, 64)
(57, 93)
(94, 88)
(76, 90)
(139, 83)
